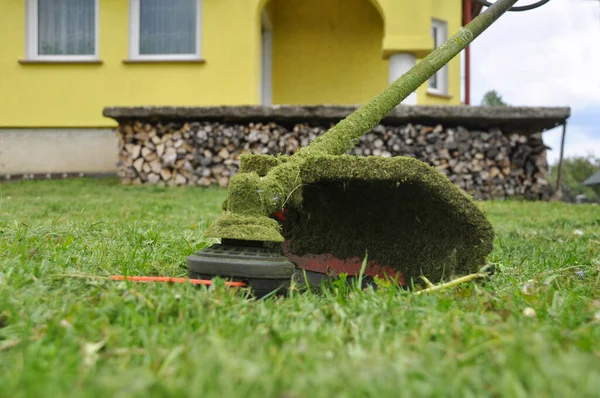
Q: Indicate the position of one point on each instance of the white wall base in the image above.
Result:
(66, 150)
(398, 65)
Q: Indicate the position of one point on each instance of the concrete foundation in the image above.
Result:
(72, 150)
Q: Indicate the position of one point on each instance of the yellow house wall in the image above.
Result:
(451, 12)
(327, 51)
(407, 26)
(74, 95)
(313, 62)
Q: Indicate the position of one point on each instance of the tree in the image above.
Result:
(575, 171)
(493, 98)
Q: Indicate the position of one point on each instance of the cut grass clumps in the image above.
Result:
(400, 211)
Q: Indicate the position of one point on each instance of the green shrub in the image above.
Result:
(577, 169)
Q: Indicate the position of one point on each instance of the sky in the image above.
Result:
(549, 56)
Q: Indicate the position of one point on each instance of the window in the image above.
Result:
(62, 30)
(438, 83)
(165, 29)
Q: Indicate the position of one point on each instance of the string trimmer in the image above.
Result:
(320, 212)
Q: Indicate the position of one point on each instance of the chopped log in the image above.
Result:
(133, 150)
(153, 178)
(180, 180)
(166, 174)
(138, 164)
(156, 167)
(127, 160)
(223, 182)
(223, 153)
(156, 140)
(204, 181)
(160, 149)
(169, 157)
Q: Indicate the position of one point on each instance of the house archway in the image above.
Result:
(322, 51)
(375, 3)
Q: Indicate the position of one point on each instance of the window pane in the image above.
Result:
(433, 80)
(167, 26)
(66, 27)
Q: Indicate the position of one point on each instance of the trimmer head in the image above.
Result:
(263, 269)
(267, 270)
(406, 217)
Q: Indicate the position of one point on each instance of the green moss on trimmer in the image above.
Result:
(252, 195)
(260, 164)
(241, 227)
(401, 211)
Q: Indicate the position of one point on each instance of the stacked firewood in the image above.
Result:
(486, 164)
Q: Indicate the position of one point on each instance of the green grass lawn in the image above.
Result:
(532, 330)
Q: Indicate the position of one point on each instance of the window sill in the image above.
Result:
(438, 95)
(164, 61)
(60, 62)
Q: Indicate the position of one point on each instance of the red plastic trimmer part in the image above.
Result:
(280, 214)
(330, 265)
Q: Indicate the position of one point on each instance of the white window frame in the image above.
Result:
(31, 47)
(266, 86)
(134, 37)
(442, 74)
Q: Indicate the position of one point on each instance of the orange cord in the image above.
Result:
(174, 280)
